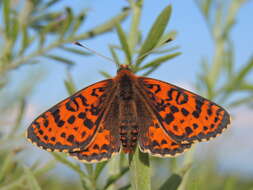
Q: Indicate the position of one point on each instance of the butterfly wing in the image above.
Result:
(153, 140)
(107, 141)
(102, 148)
(186, 117)
(71, 124)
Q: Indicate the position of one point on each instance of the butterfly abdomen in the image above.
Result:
(128, 128)
(128, 137)
(127, 113)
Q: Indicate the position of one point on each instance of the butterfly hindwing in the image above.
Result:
(102, 148)
(152, 138)
(155, 141)
(71, 124)
(186, 117)
(106, 142)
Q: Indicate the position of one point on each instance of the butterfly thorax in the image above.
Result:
(128, 128)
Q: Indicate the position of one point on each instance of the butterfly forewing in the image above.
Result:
(183, 115)
(71, 124)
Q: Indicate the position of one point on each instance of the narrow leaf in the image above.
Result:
(67, 22)
(33, 183)
(134, 35)
(60, 59)
(126, 187)
(78, 22)
(124, 43)
(69, 85)
(242, 101)
(164, 39)
(99, 168)
(105, 74)
(68, 163)
(14, 29)
(50, 3)
(114, 56)
(172, 183)
(76, 51)
(45, 169)
(6, 13)
(25, 39)
(114, 178)
(160, 60)
(244, 71)
(105, 27)
(7, 163)
(155, 34)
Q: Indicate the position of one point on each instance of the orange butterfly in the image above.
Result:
(125, 111)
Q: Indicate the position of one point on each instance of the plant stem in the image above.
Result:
(139, 170)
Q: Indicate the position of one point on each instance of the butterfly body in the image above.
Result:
(128, 111)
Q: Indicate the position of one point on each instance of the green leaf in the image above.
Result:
(114, 178)
(50, 3)
(241, 101)
(206, 7)
(231, 183)
(124, 43)
(244, 71)
(33, 183)
(105, 27)
(164, 39)
(139, 170)
(155, 34)
(7, 163)
(60, 59)
(76, 51)
(134, 33)
(89, 169)
(84, 184)
(45, 169)
(172, 183)
(69, 84)
(114, 56)
(159, 60)
(6, 13)
(105, 74)
(126, 187)
(61, 158)
(67, 22)
(246, 87)
(78, 22)
(20, 116)
(42, 39)
(14, 30)
(25, 39)
(98, 169)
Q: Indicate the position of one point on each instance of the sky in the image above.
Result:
(194, 41)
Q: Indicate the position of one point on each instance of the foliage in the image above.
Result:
(32, 31)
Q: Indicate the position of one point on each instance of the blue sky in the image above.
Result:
(193, 38)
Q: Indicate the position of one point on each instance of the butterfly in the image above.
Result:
(126, 112)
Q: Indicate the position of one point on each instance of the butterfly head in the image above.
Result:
(123, 67)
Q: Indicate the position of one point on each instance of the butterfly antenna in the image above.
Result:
(152, 50)
(93, 51)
